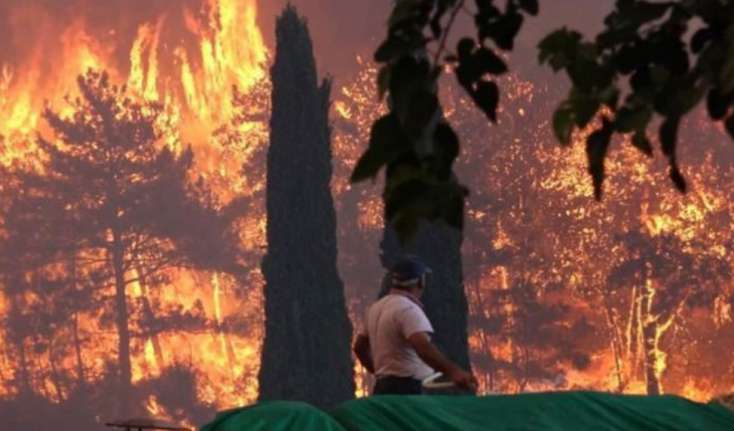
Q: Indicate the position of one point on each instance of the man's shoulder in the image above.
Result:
(391, 303)
(403, 308)
(395, 300)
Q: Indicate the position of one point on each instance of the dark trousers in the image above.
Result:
(393, 385)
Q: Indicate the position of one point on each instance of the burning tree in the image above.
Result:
(306, 352)
(110, 204)
(662, 278)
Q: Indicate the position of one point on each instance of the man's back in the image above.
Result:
(390, 321)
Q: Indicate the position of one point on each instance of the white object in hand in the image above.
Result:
(432, 382)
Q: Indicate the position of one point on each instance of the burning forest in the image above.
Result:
(132, 273)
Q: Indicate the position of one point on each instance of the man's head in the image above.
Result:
(409, 274)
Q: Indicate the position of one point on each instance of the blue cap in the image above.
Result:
(408, 270)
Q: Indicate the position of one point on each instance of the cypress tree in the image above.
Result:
(306, 352)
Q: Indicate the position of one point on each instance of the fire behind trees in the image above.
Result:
(532, 230)
(108, 205)
(539, 253)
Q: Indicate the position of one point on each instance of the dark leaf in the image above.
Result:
(486, 8)
(618, 32)
(641, 80)
(387, 142)
(405, 10)
(632, 56)
(563, 121)
(412, 196)
(586, 74)
(671, 53)
(596, 151)
(677, 178)
(609, 97)
(585, 106)
(559, 48)
(644, 12)
(446, 149)
(489, 62)
(700, 39)
(727, 71)
(422, 109)
(383, 81)
(406, 205)
(398, 46)
(632, 119)
(504, 30)
(453, 207)
(465, 48)
(388, 50)
(669, 135)
(729, 124)
(678, 97)
(640, 141)
(436, 27)
(530, 6)
(409, 78)
(486, 97)
(717, 104)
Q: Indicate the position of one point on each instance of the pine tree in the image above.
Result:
(110, 195)
(306, 353)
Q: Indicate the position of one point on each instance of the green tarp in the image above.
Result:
(274, 416)
(558, 411)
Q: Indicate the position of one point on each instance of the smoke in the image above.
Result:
(341, 29)
(36, 28)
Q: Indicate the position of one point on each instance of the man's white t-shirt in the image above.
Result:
(390, 321)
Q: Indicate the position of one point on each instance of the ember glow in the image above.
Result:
(563, 290)
(206, 81)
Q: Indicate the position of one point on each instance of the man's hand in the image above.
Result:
(463, 379)
(430, 354)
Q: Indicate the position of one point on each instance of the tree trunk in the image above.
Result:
(615, 343)
(650, 348)
(634, 335)
(16, 326)
(81, 378)
(306, 352)
(153, 326)
(123, 330)
(222, 332)
(55, 377)
(651, 379)
(25, 378)
(484, 342)
(78, 351)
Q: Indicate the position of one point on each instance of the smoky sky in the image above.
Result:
(341, 29)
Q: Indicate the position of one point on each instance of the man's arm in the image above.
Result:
(362, 351)
(430, 354)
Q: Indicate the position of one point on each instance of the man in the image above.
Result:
(396, 345)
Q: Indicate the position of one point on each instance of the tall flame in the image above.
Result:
(206, 66)
(197, 79)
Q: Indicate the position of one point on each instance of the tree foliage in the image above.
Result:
(111, 203)
(306, 349)
(414, 142)
(652, 60)
(642, 66)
